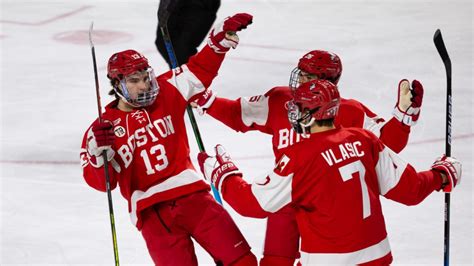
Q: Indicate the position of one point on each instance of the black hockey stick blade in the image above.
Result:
(441, 47)
(439, 43)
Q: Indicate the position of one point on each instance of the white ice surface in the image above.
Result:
(50, 216)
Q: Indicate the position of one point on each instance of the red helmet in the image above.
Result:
(322, 64)
(124, 63)
(325, 65)
(312, 101)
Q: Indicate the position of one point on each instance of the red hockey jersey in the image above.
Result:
(334, 179)
(151, 162)
(267, 113)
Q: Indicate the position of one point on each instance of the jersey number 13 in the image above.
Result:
(160, 160)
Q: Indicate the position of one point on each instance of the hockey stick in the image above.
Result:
(439, 43)
(104, 153)
(163, 15)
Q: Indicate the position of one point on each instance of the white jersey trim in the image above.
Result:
(389, 169)
(371, 253)
(254, 110)
(273, 191)
(186, 82)
(186, 177)
(371, 124)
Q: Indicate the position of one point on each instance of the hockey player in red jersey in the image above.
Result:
(268, 114)
(144, 136)
(334, 178)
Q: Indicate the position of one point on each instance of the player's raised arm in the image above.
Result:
(400, 182)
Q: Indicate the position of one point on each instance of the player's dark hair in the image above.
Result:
(325, 122)
(112, 92)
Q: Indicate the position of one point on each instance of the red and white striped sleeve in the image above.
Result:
(242, 115)
(194, 77)
(258, 112)
(267, 194)
(264, 196)
(399, 181)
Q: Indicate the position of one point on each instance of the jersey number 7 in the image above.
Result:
(347, 172)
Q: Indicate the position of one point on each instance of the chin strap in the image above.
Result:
(306, 127)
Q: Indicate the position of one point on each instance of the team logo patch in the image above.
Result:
(119, 131)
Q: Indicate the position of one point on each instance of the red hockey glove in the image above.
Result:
(407, 110)
(203, 101)
(100, 137)
(223, 37)
(216, 169)
(452, 168)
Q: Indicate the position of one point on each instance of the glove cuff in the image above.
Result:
(442, 168)
(219, 49)
(202, 108)
(97, 161)
(404, 117)
(221, 181)
(222, 172)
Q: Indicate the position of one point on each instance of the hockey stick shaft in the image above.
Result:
(104, 153)
(440, 46)
(174, 63)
